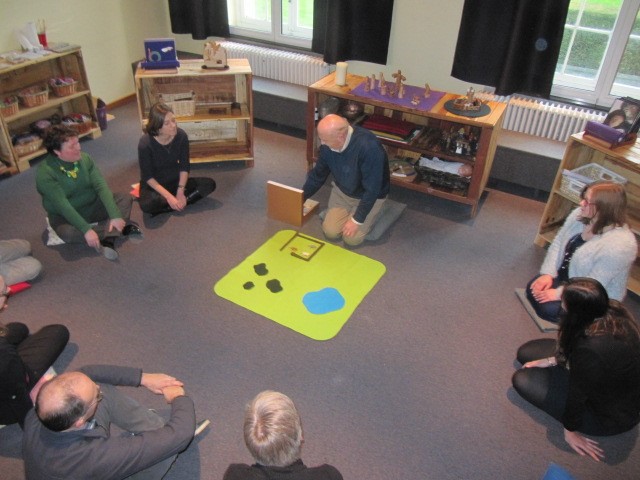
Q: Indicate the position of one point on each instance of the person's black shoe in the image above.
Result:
(108, 249)
(133, 232)
(193, 197)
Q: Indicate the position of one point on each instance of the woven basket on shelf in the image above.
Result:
(9, 109)
(443, 179)
(34, 96)
(80, 122)
(64, 90)
(26, 148)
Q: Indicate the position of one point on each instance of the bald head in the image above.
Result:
(333, 130)
(62, 402)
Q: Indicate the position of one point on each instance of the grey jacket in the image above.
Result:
(95, 454)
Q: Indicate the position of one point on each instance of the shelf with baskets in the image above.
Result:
(432, 134)
(592, 161)
(214, 107)
(52, 88)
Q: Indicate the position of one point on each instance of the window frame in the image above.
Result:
(601, 96)
(275, 35)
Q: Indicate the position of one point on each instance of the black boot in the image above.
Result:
(193, 197)
(132, 232)
(109, 248)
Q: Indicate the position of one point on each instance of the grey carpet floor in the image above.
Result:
(415, 386)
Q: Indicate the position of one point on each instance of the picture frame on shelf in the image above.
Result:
(624, 115)
(631, 107)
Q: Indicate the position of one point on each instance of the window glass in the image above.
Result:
(627, 80)
(288, 22)
(600, 54)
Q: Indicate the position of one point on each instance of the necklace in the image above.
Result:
(73, 173)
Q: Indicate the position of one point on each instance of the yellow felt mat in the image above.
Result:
(302, 283)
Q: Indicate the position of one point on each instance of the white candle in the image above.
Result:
(341, 73)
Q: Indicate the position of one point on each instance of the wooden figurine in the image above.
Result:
(427, 90)
(415, 100)
(383, 88)
(401, 91)
(399, 79)
(214, 56)
(373, 82)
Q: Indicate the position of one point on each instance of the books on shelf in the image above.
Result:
(389, 125)
(397, 138)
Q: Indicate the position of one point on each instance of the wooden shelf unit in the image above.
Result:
(435, 119)
(217, 132)
(623, 161)
(38, 72)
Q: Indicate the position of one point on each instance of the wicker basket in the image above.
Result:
(34, 96)
(6, 110)
(26, 148)
(80, 122)
(443, 179)
(64, 89)
(573, 181)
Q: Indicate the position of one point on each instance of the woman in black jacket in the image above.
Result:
(24, 360)
(590, 378)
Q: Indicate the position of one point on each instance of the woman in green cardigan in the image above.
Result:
(79, 204)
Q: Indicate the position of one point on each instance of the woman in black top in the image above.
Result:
(24, 361)
(590, 378)
(163, 154)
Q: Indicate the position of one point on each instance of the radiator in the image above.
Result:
(544, 118)
(289, 67)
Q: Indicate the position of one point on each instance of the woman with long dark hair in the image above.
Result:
(589, 379)
(163, 155)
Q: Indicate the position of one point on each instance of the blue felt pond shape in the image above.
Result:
(323, 301)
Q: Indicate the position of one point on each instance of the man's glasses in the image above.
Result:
(96, 401)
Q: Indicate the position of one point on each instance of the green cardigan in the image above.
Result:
(72, 198)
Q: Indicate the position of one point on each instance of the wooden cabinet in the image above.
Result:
(37, 73)
(580, 151)
(214, 107)
(434, 124)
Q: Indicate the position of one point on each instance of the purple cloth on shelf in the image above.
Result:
(426, 103)
(604, 132)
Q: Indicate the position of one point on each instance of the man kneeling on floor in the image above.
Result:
(68, 434)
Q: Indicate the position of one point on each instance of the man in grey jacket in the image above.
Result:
(68, 433)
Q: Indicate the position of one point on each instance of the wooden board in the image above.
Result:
(287, 204)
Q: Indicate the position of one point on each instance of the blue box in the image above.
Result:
(160, 53)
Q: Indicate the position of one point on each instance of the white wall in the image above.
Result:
(111, 33)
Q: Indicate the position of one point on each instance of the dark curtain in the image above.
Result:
(512, 45)
(352, 30)
(200, 18)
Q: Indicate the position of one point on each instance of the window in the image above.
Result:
(600, 55)
(288, 22)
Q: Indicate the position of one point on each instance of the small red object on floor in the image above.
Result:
(18, 287)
